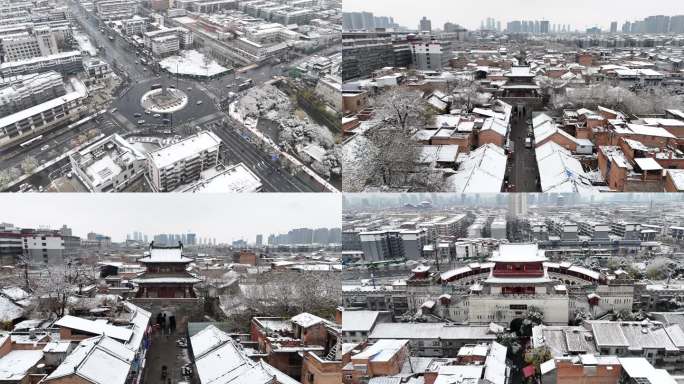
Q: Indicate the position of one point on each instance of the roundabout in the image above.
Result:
(182, 103)
(164, 100)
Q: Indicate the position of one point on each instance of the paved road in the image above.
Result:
(239, 150)
(117, 50)
(524, 170)
(129, 102)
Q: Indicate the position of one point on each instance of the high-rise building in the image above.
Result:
(517, 204)
(613, 27)
(677, 24)
(259, 239)
(425, 24)
(544, 26)
(191, 238)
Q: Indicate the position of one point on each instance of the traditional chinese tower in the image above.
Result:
(166, 275)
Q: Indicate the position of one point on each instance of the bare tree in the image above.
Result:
(57, 283)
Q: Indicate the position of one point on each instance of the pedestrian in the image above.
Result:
(163, 323)
(172, 323)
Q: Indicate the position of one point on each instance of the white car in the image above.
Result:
(157, 115)
(45, 147)
(199, 102)
(141, 121)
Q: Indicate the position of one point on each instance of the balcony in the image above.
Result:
(517, 273)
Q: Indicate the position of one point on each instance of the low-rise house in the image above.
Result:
(559, 171)
(219, 359)
(480, 171)
(96, 360)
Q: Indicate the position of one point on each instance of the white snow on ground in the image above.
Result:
(84, 44)
(191, 63)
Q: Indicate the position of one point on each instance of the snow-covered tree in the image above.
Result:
(29, 164)
(402, 108)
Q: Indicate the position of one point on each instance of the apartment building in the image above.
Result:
(44, 116)
(108, 165)
(181, 163)
(27, 90)
(115, 9)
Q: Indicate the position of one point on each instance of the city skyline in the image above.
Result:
(581, 14)
(213, 216)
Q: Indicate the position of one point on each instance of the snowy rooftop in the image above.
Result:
(98, 360)
(185, 149)
(542, 118)
(438, 153)
(648, 164)
(645, 130)
(14, 293)
(106, 159)
(520, 72)
(79, 91)
(430, 331)
(616, 156)
(306, 320)
(482, 171)
(496, 125)
(382, 350)
(207, 339)
(358, 320)
(677, 176)
(192, 63)
(14, 366)
(224, 361)
(450, 121)
(236, 178)
(95, 327)
(9, 311)
(165, 255)
(518, 253)
(640, 368)
(547, 129)
(559, 171)
(424, 134)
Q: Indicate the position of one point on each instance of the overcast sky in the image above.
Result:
(226, 217)
(578, 13)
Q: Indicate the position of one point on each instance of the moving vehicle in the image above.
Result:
(113, 110)
(528, 142)
(141, 121)
(199, 102)
(137, 114)
(156, 115)
(45, 147)
(29, 142)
